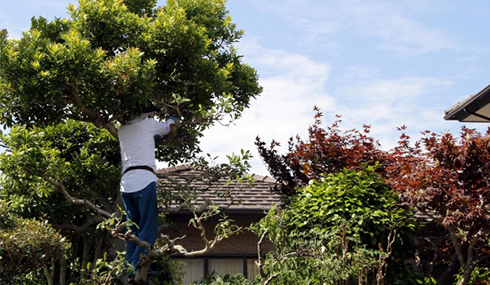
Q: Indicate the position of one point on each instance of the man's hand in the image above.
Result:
(175, 119)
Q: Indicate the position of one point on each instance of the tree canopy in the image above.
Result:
(68, 83)
(443, 177)
(110, 56)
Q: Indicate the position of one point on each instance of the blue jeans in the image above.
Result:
(141, 208)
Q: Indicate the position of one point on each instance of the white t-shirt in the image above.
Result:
(137, 145)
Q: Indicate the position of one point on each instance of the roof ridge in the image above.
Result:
(176, 168)
(187, 167)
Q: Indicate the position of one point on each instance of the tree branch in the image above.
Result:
(93, 114)
(88, 223)
(61, 188)
(454, 240)
(259, 261)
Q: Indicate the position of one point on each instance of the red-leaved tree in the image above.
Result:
(447, 178)
(440, 175)
(325, 151)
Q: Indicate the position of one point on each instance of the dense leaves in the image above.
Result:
(360, 198)
(26, 244)
(342, 227)
(449, 182)
(324, 151)
(67, 84)
(36, 156)
(112, 55)
(445, 178)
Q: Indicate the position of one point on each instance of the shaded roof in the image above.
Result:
(258, 197)
(475, 109)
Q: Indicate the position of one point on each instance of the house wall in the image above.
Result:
(236, 254)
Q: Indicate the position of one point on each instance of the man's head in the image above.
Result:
(142, 111)
(148, 107)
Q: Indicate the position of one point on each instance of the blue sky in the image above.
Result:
(381, 63)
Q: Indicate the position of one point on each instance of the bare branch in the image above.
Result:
(105, 203)
(88, 223)
(61, 188)
(259, 261)
(274, 276)
(454, 240)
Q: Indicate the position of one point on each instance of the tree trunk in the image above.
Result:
(63, 264)
(466, 277)
(49, 274)
(87, 243)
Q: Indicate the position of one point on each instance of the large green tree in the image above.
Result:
(67, 84)
(112, 55)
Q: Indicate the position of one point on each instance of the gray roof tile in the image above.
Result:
(179, 179)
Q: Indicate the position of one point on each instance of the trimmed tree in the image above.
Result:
(96, 67)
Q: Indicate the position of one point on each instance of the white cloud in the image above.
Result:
(293, 85)
(386, 104)
(389, 22)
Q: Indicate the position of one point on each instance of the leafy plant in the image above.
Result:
(67, 84)
(26, 244)
(343, 227)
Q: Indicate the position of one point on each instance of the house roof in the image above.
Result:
(475, 109)
(258, 197)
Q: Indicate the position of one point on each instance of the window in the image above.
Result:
(197, 268)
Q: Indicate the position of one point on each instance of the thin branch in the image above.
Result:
(61, 188)
(259, 261)
(274, 276)
(88, 223)
(105, 203)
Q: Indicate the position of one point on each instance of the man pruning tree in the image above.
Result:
(138, 182)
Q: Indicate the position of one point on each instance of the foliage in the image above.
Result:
(216, 279)
(110, 56)
(339, 228)
(61, 153)
(36, 156)
(67, 84)
(449, 182)
(310, 257)
(172, 271)
(325, 151)
(441, 176)
(479, 276)
(26, 244)
(360, 197)
(105, 271)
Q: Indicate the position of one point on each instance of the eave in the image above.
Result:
(475, 109)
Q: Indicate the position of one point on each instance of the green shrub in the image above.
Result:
(26, 245)
(338, 230)
(216, 279)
